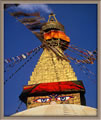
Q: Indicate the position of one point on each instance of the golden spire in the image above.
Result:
(49, 67)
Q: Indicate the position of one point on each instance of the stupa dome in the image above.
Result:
(59, 110)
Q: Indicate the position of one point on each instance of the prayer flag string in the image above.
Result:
(87, 72)
(37, 50)
(17, 59)
(19, 106)
(88, 59)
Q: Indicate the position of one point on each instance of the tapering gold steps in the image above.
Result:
(51, 69)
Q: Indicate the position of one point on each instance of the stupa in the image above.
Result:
(53, 88)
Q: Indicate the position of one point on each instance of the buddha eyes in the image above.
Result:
(60, 98)
(42, 100)
(63, 98)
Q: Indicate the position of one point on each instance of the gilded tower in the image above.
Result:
(53, 80)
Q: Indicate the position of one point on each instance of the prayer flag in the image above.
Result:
(6, 61)
(23, 56)
(20, 13)
(13, 58)
(28, 53)
(18, 57)
(89, 52)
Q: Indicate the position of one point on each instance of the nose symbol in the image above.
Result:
(53, 102)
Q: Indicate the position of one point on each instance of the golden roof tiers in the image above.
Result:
(51, 69)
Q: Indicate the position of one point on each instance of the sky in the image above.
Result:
(80, 22)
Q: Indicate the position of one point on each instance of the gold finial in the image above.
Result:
(52, 17)
(52, 23)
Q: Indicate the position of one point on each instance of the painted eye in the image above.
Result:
(63, 98)
(42, 100)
